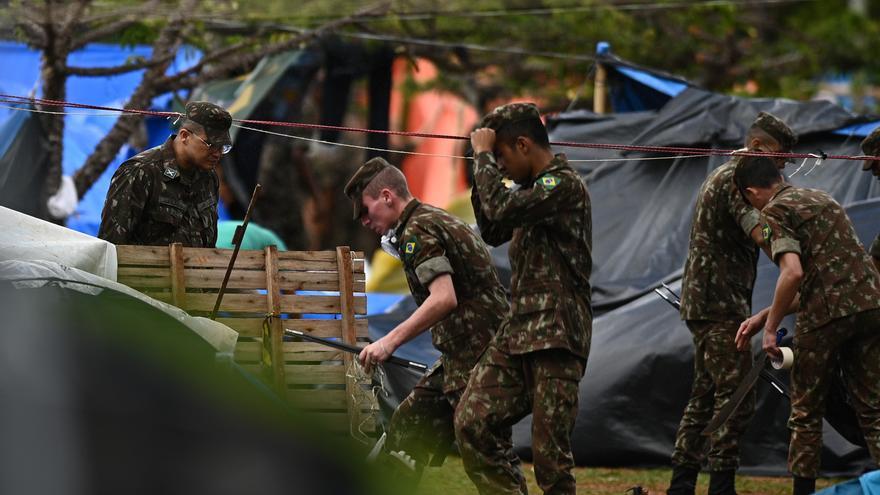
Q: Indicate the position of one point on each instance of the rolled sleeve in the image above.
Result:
(431, 268)
(784, 245)
(749, 221)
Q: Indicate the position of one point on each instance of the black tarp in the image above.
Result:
(640, 367)
(24, 164)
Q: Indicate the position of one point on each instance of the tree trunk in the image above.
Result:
(164, 48)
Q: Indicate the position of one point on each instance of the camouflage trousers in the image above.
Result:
(718, 370)
(851, 344)
(422, 425)
(503, 389)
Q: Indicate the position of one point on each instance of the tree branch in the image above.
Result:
(119, 69)
(198, 74)
(74, 12)
(94, 34)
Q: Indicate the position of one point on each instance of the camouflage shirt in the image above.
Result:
(432, 242)
(152, 201)
(839, 277)
(550, 227)
(719, 273)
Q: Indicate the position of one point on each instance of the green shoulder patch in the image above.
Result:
(549, 181)
(766, 232)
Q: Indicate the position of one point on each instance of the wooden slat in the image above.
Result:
(219, 258)
(314, 374)
(317, 399)
(273, 306)
(139, 282)
(255, 279)
(293, 351)
(349, 335)
(251, 327)
(256, 303)
(178, 286)
(142, 255)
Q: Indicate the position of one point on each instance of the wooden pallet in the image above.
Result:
(266, 282)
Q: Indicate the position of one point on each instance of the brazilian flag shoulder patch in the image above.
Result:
(410, 246)
(766, 232)
(549, 181)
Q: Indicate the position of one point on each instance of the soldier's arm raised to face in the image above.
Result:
(126, 199)
(493, 233)
(550, 194)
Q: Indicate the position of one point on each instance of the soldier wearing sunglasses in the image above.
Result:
(169, 193)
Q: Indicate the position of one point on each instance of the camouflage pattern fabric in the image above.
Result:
(550, 229)
(423, 422)
(153, 202)
(851, 344)
(839, 276)
(538, 358)
(504, 388)
(777, 129)
(213, 118)
(719, 273)
(512, 112)
(431, 242)
(718, 371)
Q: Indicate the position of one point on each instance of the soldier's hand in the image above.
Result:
(746, 329)
(769, 343)
(483, 139)
(374, 354)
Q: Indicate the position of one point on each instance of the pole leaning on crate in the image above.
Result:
(237, 239)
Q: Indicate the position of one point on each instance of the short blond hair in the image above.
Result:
(389, 178)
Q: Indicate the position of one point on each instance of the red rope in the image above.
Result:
(678, 150)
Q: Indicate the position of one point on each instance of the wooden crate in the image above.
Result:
(268, 282)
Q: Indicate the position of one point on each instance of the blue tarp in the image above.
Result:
(82, 129)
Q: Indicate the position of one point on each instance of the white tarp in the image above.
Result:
(25, 238)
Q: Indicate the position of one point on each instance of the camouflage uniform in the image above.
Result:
(431, 242)
(838, 322)
(716, 296)
(153, 201)
(871, 146)
(536, 361)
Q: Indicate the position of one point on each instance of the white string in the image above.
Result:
(34, 110)
(818, 158)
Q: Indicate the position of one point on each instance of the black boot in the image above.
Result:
(684, 481)
(803, 486)
(722, 482)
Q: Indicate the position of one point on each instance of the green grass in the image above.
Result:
(452, 480)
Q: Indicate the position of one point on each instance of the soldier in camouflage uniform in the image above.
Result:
(169, 193)
(535, 363)
(829, 279)
(716, 296)
(452, 279)
(871, 146)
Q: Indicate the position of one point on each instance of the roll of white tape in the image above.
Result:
(785, 362)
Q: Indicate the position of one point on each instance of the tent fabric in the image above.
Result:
(27, 238)
(40, 272)
(23, 163)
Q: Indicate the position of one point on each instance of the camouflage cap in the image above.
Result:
(512, 112)
(213, 118)
(777, 129)
(871, 146)
(355, 187)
